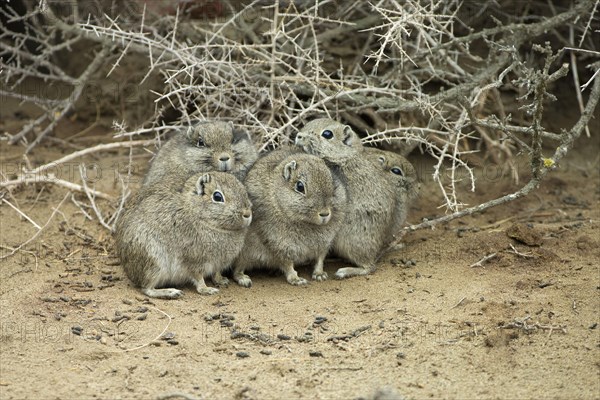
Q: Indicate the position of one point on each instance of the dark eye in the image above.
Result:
(327, 134)
(218, 197)
(397, 171)
(300, 187)
(200, 142)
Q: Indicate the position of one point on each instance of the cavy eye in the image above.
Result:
(200, 142)
(397, 171)
(300, 187)
(218, 197)
(327, 134)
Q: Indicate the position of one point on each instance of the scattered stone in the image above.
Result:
(242, 354)
(212, 317)
(593, 326)
(127, 301)
(525, 234)
(315, 353)
(168, 336)
(77, 330)
(141, 310)
(173, 342)
(281, 336)
(570, 200)
(119, 318)
(266, 352)
(142, 317)
(50, 299)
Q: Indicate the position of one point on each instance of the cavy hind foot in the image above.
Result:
(220, 280)
(348, 272)
(243, 280)
(207, 290)
(163, 293)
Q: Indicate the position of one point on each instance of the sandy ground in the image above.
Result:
(426, 324)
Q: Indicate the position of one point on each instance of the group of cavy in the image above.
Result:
(209, 202)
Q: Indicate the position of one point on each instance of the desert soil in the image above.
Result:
(427, 324)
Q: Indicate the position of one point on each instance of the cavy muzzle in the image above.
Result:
(247, 217)
(324, 216)
(305, 142)
(224, 162)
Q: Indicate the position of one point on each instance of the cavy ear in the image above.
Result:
(288, 169)
(349, 136)
(381, 160)
(239, 135)
(202, 181)
(189, 131)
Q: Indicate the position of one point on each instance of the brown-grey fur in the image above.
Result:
(401, 175)
(290, 228)
(169, 237)
(221, 149)
(364, 233)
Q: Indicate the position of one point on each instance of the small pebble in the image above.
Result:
(315, 353)
(593, 326)
(77, 330)
(173, 342)
(266, 352)
(49, 299)
(142, 317)
(127, 301)
(242, 354)
(281, 336)
(167, 336)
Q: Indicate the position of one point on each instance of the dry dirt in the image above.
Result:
(425, 325)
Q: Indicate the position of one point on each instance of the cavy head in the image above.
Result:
(308, 190)
(219, 200)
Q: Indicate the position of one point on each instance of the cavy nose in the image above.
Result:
(299, 138)
(247, 216)
(224, 157)
(324, 216)
(324, 213)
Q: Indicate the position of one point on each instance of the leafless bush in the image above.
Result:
(439, 76)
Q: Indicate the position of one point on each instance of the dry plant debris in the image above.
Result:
(432, 76)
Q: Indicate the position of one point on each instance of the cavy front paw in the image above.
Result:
(320, 276)
(207, 290)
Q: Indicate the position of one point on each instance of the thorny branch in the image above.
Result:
(406, 75)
